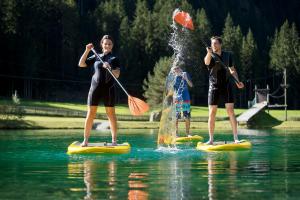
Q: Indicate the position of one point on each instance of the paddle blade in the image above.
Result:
(137, 106)
(184, 19)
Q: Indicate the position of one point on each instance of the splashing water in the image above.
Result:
(167, 129)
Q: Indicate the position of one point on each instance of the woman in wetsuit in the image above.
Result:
(102, 86)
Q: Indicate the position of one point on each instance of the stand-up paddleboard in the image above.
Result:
(193, 138)
(225, 146)
(98, 148)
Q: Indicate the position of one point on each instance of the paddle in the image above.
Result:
(185, 20)
(136, 106)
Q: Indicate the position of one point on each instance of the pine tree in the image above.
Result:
(203, 25)
(232, 39)
(296, 47)
(125, 42)
(228, 36)
(162, 18)
(9, 16)
(154, 85)
(69, 21)
(200, 37)
(140, 21)
(203, 32)
(186, 6)
(284, 52)
(109, 15)
(140, 34)
(248, 55)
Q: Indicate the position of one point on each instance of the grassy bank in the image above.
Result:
(273, 119)
(44, 122)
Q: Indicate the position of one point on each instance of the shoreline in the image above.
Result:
(43, 122)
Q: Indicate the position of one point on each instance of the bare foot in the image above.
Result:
(84, 144)
(114, 143)
(209, 142)
(237, 141)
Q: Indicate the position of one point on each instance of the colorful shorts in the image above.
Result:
(183, 107)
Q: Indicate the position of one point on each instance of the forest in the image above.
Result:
(42, 40)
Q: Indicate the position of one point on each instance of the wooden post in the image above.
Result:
(268, 98)
(285, 94)
(255, 96)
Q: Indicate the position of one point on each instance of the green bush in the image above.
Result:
(12, 110)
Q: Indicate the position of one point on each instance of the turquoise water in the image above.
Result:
(34, 165)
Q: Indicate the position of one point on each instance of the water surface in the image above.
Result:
(34, 165)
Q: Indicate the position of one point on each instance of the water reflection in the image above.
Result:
(218, 166)
(136, 184)
(269, 171)
(102, 180)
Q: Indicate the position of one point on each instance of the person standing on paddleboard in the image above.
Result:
(220, 87)
(102, 86)
(181, 97)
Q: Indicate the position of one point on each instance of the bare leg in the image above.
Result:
(90, 116)
(187, 126)
(211, 122)
(233, 122)
(176, 128)
(110, 112)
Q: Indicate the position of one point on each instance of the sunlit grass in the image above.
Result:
(196, 111)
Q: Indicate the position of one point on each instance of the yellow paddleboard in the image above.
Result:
(193, 138)
(222, 146)
(98, 148)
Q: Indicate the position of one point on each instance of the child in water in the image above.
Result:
(181, 96)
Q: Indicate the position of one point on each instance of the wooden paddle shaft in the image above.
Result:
(96, 54)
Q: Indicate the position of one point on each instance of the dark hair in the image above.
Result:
(216, 38)
(106, 37)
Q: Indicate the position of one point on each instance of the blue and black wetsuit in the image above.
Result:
(220, 87)
(102, 84)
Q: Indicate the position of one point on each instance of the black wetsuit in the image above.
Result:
(220, 87)
(102, 84)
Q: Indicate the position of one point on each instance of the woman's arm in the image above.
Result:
(116, 72)
(83, 58)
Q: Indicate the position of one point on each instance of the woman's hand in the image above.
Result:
(106, 65)
(89, 46)
(240, 85)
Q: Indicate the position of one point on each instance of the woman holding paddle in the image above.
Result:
(102, 85)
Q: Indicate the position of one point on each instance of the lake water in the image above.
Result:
(34, 165)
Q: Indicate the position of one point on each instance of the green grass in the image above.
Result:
(45, 122)
(275, 118)
(197, 111)
(202, 111)
(122, 109)
(293, 115)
